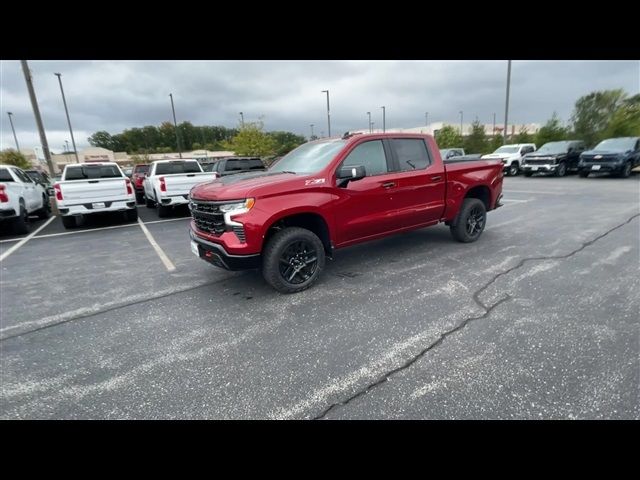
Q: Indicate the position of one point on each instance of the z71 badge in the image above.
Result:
(315, 181)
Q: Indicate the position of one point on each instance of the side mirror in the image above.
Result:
(344, 175)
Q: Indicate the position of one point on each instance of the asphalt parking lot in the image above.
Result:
(537, 319)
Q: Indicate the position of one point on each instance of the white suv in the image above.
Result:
(511, 156)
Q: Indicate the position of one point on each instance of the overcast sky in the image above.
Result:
(115, 95)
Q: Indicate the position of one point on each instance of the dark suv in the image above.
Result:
(557, 158)
(617, 156)
(228, 166)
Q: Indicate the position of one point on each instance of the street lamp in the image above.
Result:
(372, 126)
(384, 120)
(328, 113)
(506, 106)
(242, 119)
(494, 124)
(311, 137)
(64, 100)
(426, 119)
(14, 131)
(369, 113)
(460, 122)
(66, 142)
(175, 123)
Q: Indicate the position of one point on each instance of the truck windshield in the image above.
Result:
(507, 150)
(92, 171)
(309, 157)
(554, 147)
(5, 176)
(616, 144)
(178, 167)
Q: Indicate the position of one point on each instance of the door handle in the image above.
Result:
(389, 184)
(436, 177)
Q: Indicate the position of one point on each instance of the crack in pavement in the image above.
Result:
(115, 307)
(476, 297)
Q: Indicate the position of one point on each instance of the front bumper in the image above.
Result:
(601, 167)
(543, 168)
(91, 208)
(215, 254)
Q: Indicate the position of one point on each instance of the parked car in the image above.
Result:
(333, 193)
(20, 197)
(41, 178)
(137, 178)
(617, 156)
(511, 156)
(557, 158)
(231, 166)
(94, 188)
(168, 183)
(447, 153)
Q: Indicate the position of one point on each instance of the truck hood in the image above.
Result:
(502, 155)
(603, 152)
(243, 185)
(545, 155)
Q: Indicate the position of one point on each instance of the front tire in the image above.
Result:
(513, 169)
(293, 260)
(471, 221)
(626, 171)
(561, 171)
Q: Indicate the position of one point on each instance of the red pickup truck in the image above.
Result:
(336, 192)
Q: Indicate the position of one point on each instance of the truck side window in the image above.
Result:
(370, 155)
(412, 153)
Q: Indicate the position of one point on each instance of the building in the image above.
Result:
(433, 128)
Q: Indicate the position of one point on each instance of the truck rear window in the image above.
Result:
(177, 167)
(140, 169)
(92, 171)
(5, 176)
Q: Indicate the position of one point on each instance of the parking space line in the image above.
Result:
(25, 239)
(96, 229)
(540, 192)
(163, 256)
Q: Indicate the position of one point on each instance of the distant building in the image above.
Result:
(433, 128)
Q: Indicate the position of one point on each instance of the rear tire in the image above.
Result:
(471, 221)
(149, 203)
(69, 221)
(21, 222)
(139, 197)
(293, 260)
(163, 211)
(45, 211)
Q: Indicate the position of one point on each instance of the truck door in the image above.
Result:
(420, 193)
(366, 207)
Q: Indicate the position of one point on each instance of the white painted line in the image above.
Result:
(516, 201)
(25, 239)
(96, 229)
(498, 225)
(163, 256)
(540, 192)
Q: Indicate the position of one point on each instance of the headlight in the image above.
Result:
(238, 207)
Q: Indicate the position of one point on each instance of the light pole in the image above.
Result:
(36, 113)
(369, 113)
(175, 123)
(328, 113)
(384, 119)
(372, 126)
(64, 100)
(494, 124)
(460, 112)
(242, 119)
(506, 106)
(311, 137)
(66, 142)
(14, 131)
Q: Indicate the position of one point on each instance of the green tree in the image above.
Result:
(251, 140)
(14, 157)
(524, 136)
(286, 141)
(448, 137)
(101, 139)
(496, 142)
(552, 131)
(625, 122)
(476, 141)
(593, 112)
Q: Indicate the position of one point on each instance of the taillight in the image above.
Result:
(3, 194)
(163, 186)
(56, 187)
(129, 189)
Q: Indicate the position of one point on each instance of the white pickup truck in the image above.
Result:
(20, 197)
(90, 188)
(168, 183)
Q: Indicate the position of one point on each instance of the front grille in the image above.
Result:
(603, 158)
(543, 161)
(208, 217)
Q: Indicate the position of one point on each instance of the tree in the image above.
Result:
(101, 139)
(251, 140)
(625, 122)
(476, 141)
(496, 142)
(593, 112)
(448, 137)
(552, 131)
(286, 141)
(524, 136)
(14, 157)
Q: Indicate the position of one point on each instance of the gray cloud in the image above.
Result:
(114, 95)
